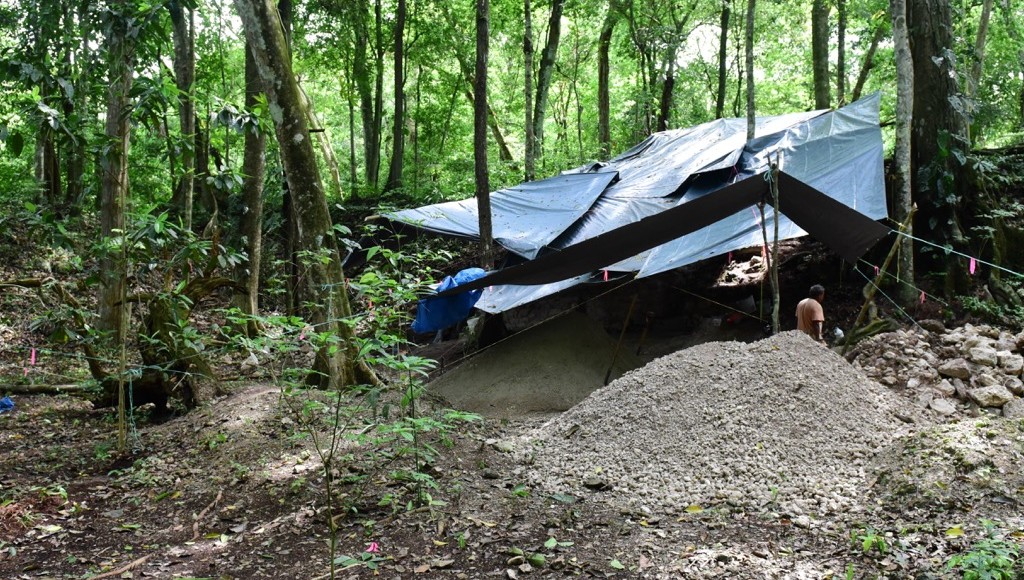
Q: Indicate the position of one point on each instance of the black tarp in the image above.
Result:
(846, 231)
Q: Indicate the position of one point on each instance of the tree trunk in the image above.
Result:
(544, 74)
(528, 147)
(819, 54)
(938, 145)
(868, 64)
(723, 47)
(378, 86)
(251, 221)
(902, 199)
(398, 124)
(183, 33)
(323, 286)
(361, 72)
(665, 102)
(979, 59)
(604, 43)
(749, 49)
(114, 167)
(483, 187)
(841, 53)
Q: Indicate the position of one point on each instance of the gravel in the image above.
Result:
(782, 425)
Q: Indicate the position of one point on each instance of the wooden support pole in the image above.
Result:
(870, 294)
(615, 354)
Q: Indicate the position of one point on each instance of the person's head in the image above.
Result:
(817, 292)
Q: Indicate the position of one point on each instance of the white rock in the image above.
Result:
(983, 355)
(984, 380)
(1014, 409)
(1011, 363)
(945, 388)
(1015, 386)
(955, 368)
(994, 396)
(943, 406)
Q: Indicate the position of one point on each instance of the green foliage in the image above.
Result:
(993, 312)
(871, 540)
(992, 558)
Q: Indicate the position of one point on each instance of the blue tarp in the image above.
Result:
(838, 153)
(433, 314)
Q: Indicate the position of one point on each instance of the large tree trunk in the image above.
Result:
(819, 54)
(323, 285)
(604, 43)
(938, 145)
(723, 48)
(749, 49)
(398, 124)
(544, 74)
(528, 150)
(114, 168)
(183, 33)
(483, 186)
(902, 198)
(251, 221)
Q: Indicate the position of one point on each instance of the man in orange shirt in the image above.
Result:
(810, 317)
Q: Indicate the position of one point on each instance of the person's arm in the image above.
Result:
(819, 330)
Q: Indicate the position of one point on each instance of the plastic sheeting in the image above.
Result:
(524, 218)
(438, 313)
(846, 231)
(838, 153)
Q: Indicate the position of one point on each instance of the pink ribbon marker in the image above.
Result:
(922, 297)
(729, 260)
(876, 271)
(32, 358)
(606, 275)
(973, 266)
(373, 548)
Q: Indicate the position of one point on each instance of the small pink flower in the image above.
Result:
(373, 548)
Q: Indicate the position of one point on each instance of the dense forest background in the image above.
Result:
(161, 152)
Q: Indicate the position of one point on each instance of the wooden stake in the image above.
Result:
(870, 295)
(625, 325)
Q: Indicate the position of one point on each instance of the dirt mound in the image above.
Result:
(958, 467)
(550, 367)
(782, 423)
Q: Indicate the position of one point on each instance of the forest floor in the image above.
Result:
(238, 490)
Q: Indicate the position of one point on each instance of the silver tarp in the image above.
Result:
(837, 153)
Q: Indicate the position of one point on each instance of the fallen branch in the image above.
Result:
(44, 389)
(202, 514)
(129, 566)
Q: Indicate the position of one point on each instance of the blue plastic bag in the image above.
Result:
(6, 404)
(433, 314)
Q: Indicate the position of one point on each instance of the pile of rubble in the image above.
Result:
(969, 369)
(782, 425)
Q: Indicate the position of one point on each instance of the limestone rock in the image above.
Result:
(983, 355)
(1015, 386)
(932, 325)
(945, 388)
(1011, 363)
(943, 406)
(985, 380)
(994, 396)
(956, 368)
(1014, 409)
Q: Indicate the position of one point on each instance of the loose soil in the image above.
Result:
(858, 482)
